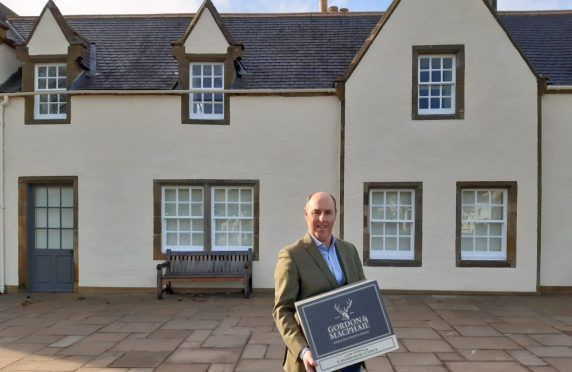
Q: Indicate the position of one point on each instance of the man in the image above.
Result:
(315, 264)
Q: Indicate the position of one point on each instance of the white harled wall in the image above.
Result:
(496, 141)
(556, 254)
(118, 145)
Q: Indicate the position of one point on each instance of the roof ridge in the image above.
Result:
(535, 12)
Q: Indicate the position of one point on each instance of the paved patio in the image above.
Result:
(225, 332)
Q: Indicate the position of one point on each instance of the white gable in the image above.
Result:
(206, 36)
(48, 38)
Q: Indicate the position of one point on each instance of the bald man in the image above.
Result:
(315, 264)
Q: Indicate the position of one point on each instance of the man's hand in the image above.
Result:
(309, 362)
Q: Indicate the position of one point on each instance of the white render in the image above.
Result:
(206, 36)
(556, 254)
(8, 62)
(48, 38)
(117, 146)
(496, 140)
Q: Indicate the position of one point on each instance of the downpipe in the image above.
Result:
(3, 104)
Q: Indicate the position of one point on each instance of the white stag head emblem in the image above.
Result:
(344, 311)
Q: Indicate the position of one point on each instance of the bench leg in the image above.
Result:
(159, 286)
(168, 288)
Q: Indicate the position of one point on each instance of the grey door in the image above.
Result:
(51, 227)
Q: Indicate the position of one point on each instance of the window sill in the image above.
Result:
(474, 263)
(457, 116)
(391, 263)
(207, 121)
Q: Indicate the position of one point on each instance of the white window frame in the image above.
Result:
(238, 218)
(440, 84)
(376, 254)
(62, 98)
(202, 91)
(165, 218)
(485, 255)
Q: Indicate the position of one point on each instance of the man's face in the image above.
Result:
(320, 216)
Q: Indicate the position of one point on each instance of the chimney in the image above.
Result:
(323, 6)
(333, 9)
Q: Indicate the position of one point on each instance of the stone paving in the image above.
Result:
(225, 332)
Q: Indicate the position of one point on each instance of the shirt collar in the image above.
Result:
(319, 244)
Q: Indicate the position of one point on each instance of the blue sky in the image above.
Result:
(34, 7)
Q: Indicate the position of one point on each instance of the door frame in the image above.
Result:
(24, 187)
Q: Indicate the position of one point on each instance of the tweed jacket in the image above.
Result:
(302, 272)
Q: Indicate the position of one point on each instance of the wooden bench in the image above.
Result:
(203, 266)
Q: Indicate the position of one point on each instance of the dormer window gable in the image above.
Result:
(51, 60)
(206, 55)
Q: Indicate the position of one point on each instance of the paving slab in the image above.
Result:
(225, 332)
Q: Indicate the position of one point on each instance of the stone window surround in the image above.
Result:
(206, 184)
(512, 189)
(418, 233)
(459, 51)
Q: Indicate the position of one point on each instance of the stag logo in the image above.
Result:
(344, 310)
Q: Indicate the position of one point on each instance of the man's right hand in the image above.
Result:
(309, 362)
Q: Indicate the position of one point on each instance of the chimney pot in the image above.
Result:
(344, 10)
(333, 9)
(323, 6)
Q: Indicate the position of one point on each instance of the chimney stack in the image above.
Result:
(323, 6)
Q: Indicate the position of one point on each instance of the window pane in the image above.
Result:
(436, 63)
(495, 244)
(218, 70)
(405, 213)
(469, 213)
(197, 210)
(172, 239)
(496, 213)
(42, 84)
(246, 226)
(423, 91)
(246, 210)
(170, 209)
(196, 83)
(170, 194)
(42, 71)
(183, 195)
(435, 103)
(41, 217)
(62, 70)
(391, 213)
(405, 198)
(54, 217)
(436, 76)
(217, 83)
(233, 195)
(207, 83)
(391, 198)
(435, 91)
(197, 225)
(424, 77)
(67, 197)
(198, 239)
(172, 225)
(377, 213)
(246, 195)
(183, 210)
(53, 196)
(497, 197)
(185, 239)
(482, 197)
(196, 70)
(219, 210)
(467, 244)
(197, 195)
(246, 240)
(207, 70)
(446, 90)
(218, 108)
(234, 239)
(424, 103)
(41, 239)
(232, 210)
(481, 229)
(377, 198)
(52, 70)
(447, 76)
(67, 239)
(404, 244)
(184, 224)
(390, 229)
(481, 244)
(377, 228)
(220, 240)
(376, 243)
(67, 218)
(448, 62)
(405, 228)
(53, 239)
(446, 103)
(424, 63)
(495, 229)
(391, 244)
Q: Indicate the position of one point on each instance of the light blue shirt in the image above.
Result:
(331, 258)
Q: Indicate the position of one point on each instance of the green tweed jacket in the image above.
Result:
(301, 272)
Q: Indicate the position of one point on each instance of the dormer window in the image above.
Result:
(50, 79)
(207, 79)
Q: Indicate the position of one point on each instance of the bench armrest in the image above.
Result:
(163, 265)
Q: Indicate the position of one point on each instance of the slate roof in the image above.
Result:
(298, 51)
(546, 40)
(280, 51)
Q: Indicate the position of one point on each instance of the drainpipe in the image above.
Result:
(3, 104)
